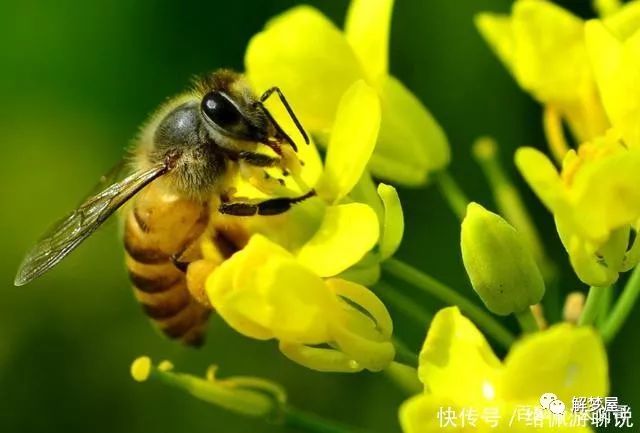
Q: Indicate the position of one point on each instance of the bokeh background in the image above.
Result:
(77, 78)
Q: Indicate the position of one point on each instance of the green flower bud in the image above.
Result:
(502, 270)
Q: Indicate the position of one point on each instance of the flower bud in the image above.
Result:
(245, 395)
(501, 269)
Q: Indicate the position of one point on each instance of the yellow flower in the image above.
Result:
(315, 63)
(614, 49)
(296, 280)
(543, 46)
(459, 370)
(349, 227)
(264, 292)
(595, 202)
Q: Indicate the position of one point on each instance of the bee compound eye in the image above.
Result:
(220, 110)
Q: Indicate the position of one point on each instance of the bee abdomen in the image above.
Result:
(160, 229)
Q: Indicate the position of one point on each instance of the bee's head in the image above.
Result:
(230, 108)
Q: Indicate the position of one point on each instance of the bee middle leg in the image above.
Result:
(274, 206)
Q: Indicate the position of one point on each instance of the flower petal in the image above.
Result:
(542, 177)
(367, 30)
(393, 224)
(564, 360)
(308, 57)
(586, 264)
(411, 143)
(262, 292)
(625, 21)
(606, 194)
(550, 57)
(367, 300)
(456, 361)
(347, 233)
(616, 67)
(353, 138)
(319, 358)
(496, 29)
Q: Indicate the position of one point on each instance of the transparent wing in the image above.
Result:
(69, 232)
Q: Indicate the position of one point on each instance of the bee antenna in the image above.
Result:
(284, 101)
(279, 129)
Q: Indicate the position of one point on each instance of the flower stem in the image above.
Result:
(312, 423)
(404, 355)
(622, 307)
(405, 377)
(527, 321)
(391, 296)
(452, 193)
(591, 306)
(446, 294)
(509, 201)
(605, 307)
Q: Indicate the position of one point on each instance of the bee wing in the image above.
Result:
(69, 232)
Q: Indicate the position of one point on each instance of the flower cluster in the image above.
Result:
(299, 279)
(411, 144)
(303, 278)
(584, 72)
(459, 369)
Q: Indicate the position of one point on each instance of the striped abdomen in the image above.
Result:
(162, 231)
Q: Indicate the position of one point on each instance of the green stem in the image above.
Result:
(591, 306)
(309, 422)
(510, 204)
(404, 377)
(623, 306)
(527, 322)
(452, 193)
(404, 355)
(446, 294)
(391, 296)
(605, 306)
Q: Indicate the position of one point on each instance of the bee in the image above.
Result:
(183, 163)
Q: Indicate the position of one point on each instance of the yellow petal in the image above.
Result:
(393, 223)
(347, 233)
(625, 21)
(606, 193)
(542, 177)
(352, 141)
(367, 300)
(564, 360)
(411, 143)
(367, 30)
(550, 58)
(320, 358)
(584, 261)
(497, 31)
(456, 361)
(263, 293)
(366, 192)
(302, 305)
(304, 54)
(616, 67)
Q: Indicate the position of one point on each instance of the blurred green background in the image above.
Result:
(77, 78)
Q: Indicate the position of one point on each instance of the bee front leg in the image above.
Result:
(274, 206)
